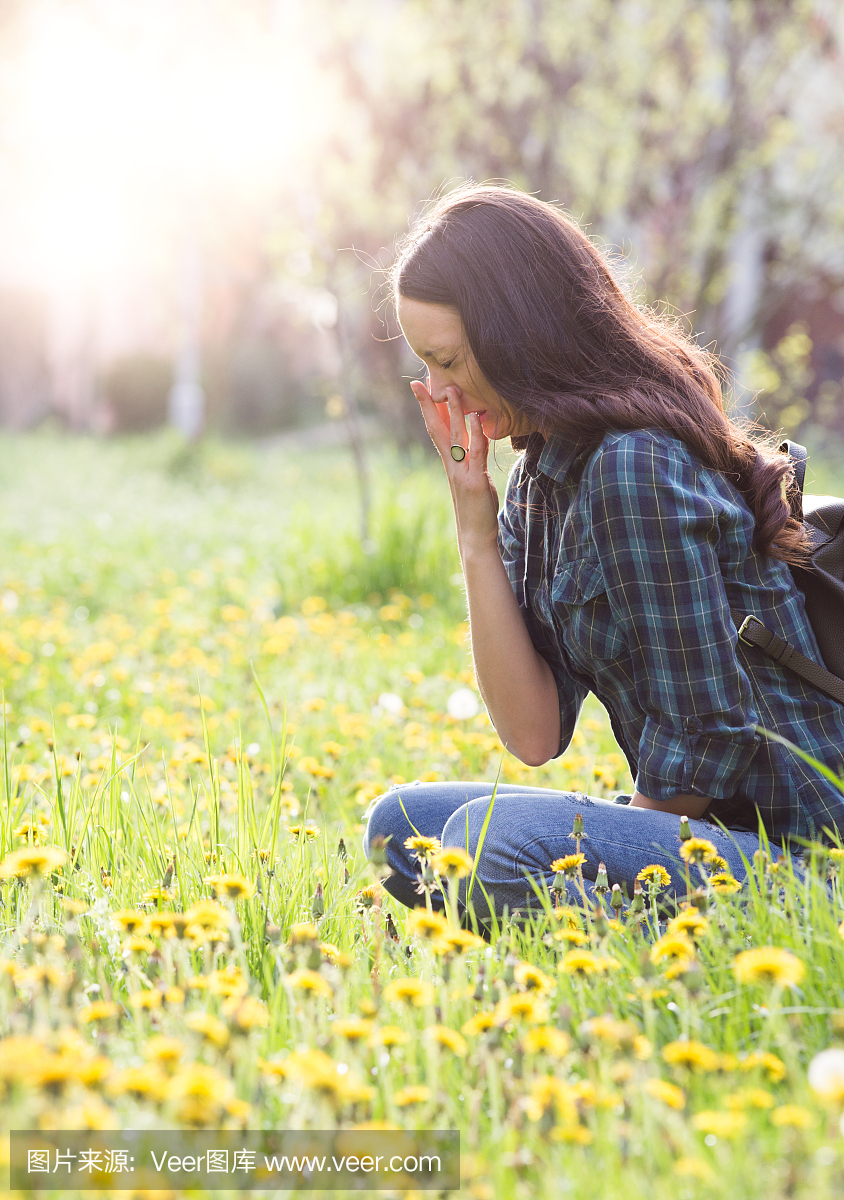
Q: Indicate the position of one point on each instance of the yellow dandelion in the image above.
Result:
(574, 1134)
(724, 884)
(164, 1050)
(352, 1091)
(391, 1035)
(571, 937)
(567, 917)
(654, 875)
(207, 914)
(138, 945)
(426, 924)
(697, 850)
(548, 1093)
(642, 1047)
(546, 1039)
(53, 1073)
(720, 1124)
(672, 948)
(416, 992)
(29, 830)
(522, 1006)
(749, 1098)
(568, 864)
(353, 1029)
(303, 932)
(581, 964)
(207, 935)
(768, 965)
(147, 1082)
(99, 1010)
(309, 832)
(336, 956)
(209, 1028)
(792, 1115)
(274, 1069)
(666, 1093)
(316, 1070)
(452, 862)
(156, 895)
(478, 1024)
(228, 981)
(233, 887)
(457, 941)
(32, 860)
(246, 1013)
(146, 1000)
(610, 1030)
(201, 1094)
(160, 923)
(369, 896)
(423, 847)
(694, 1056)
(418, 1094)
(688, 1167)
(310, 982)
(532, 979)
(689, 922)
(130, 920)
(442, 1035)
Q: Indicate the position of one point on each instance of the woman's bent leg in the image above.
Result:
(428, 806)
(527, 832)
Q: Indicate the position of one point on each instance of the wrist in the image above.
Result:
(478, 550)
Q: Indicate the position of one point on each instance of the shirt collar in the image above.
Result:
(549, 456)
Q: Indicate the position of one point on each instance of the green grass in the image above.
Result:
(193, 648)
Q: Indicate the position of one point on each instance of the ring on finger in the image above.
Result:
(458, 453)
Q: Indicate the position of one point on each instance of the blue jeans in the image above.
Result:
(529, 828)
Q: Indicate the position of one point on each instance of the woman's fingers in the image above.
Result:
(456, 426)
(436, 421)
(446, 423)
(478, 442)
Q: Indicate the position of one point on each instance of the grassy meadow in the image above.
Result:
(206, 679)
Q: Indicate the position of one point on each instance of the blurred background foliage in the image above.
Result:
(699, 141)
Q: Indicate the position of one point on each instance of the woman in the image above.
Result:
(637, 519)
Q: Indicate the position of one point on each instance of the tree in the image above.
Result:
(688, 134)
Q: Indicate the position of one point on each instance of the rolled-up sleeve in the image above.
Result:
(523, 570)
(656, 533)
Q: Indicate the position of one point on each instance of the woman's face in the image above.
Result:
(434, 333)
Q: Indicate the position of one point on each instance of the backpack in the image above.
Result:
(822, 587)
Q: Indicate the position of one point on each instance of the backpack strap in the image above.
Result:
(752, 632)
(798, 455)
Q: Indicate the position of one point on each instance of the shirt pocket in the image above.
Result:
(578, 581)
(582, 611)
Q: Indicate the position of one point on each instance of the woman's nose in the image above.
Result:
(438, 381)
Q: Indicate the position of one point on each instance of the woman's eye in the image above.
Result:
(445, 366)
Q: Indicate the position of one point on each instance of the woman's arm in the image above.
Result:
(680, 806)
(515, 681)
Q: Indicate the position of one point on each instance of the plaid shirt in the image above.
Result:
(625, 562)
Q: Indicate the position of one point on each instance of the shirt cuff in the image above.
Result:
(685, 761)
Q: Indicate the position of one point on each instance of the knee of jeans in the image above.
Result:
(464, 827)
(386, 820)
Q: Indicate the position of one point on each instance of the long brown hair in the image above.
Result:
(556, 337)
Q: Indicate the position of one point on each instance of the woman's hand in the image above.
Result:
(515, 681)
(472, 490)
